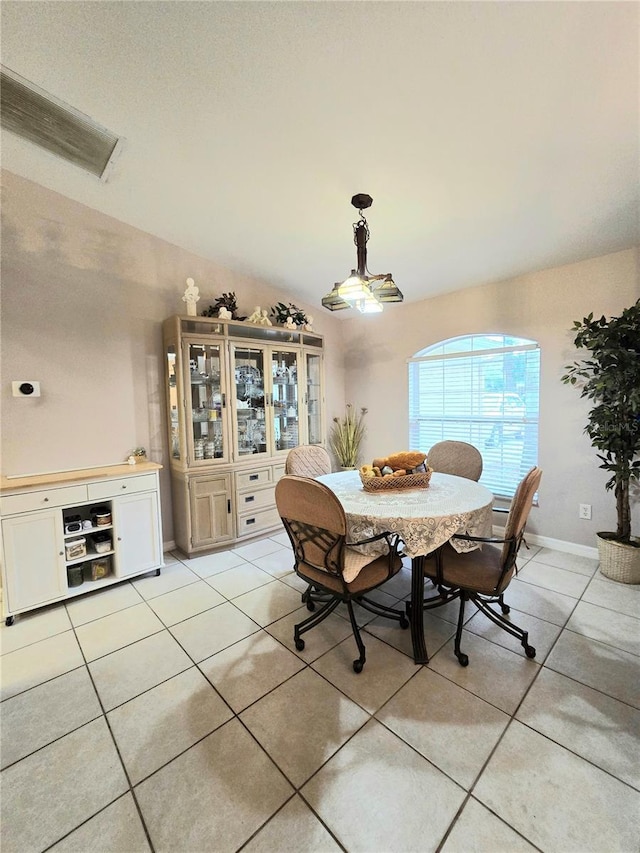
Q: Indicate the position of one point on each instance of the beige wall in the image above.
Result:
(541, 306)
(83, 299)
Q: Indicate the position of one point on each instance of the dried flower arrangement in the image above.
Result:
(346, 436)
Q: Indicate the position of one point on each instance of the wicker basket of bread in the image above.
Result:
(404, 470)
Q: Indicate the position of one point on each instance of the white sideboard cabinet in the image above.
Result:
(71, 532)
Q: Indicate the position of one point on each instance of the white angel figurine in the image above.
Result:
(224, 314)
(256, 317)
(264, 319)
(290, 324)
(309, 324)
(191, 296)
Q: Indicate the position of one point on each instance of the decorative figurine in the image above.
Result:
(224, 314)
(290, 324)
(191, 296)
(264, 319)
(256, 317)
(309, 324)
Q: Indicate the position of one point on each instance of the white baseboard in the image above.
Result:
(556, 544)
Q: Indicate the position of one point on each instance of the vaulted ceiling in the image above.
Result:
(495, 138)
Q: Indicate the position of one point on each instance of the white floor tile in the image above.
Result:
(620, 597)
(317, 641)
(270, 603)
(254, 550)
(203, 635)
(211, 564)
(101, 603)
(224, 788)
(557, 800)
(249, 669)
(603, 730)
(120, 629)
(39, 662)
(378, 794)
(302, 723)
(542, 635)
(294, 828)
(171, 577)
(477, 830)
(239, 580)
(29, 628)
(538, 601)
(117, 828)
(161, 723)
(278, 564)
(599, 623)
(562, 560)
(557, 580)
(43, 714)
(130, 671)
(451, 727)
(174, 607)
(51, 792)
(602, 667)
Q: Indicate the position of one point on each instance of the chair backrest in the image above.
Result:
(456, 457)
(519, 510)
(314, 519)
(308, 460)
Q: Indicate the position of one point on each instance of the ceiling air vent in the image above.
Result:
(41, 118)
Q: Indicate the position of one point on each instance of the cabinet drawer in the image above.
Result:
(251, 479)
(249, 501)
(126, 485)
(256, 521)
(12, 504)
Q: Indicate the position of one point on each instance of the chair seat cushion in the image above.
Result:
(374, 572)
(477, 570)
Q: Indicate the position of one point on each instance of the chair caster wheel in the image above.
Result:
(463, 659)
(529, 651)
(505, 608)
(404, 622)
(9, 621)
(299, 644)
(311, 605)
(357, 665)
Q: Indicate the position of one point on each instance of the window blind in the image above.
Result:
(482, 389)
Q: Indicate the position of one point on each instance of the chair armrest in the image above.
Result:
(493, 539)
(375, 538)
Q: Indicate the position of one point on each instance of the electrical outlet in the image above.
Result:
(584, 511)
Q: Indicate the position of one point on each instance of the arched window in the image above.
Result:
(483, 389)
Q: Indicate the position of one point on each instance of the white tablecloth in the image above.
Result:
(423, 518)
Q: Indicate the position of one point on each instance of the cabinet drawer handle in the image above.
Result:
(251, 477)
(250, 521)
(46, 500)
(249, 499)
(124, 487)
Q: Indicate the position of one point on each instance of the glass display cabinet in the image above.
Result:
(239, 397)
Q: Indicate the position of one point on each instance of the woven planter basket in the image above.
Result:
(618, 561)
(390, 484)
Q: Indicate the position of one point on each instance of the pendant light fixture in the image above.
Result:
(361, 290)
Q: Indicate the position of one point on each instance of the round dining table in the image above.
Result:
(423, 518)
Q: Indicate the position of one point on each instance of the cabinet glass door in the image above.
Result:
(250, 427)
(205, 402)
(285, 399)
(174, 426)
(314, 398)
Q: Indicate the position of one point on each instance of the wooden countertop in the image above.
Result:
(56, 478)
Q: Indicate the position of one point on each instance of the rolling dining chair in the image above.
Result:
(308, 460)
(317, 527)
(456, 457)
(482, 575)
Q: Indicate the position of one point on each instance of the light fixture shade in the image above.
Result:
(386, 291)
(333, 301)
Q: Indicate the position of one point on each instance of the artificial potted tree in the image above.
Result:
(610, 377)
